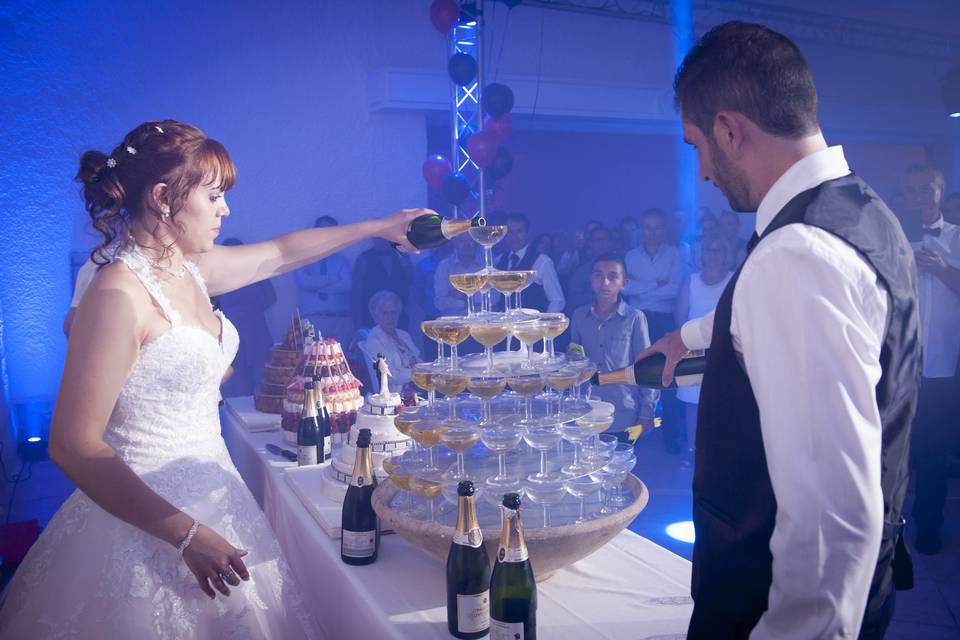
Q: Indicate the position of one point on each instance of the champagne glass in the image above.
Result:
(528, 333)
(489, 334)
(486, 387)
(487, 236)
(506, 282)
(585, 368)
(560, 381)
(404, 422)
(451, 384)
(427, 326)
(576, 433)
(422, 376)
(581, 488)
(500, 438)
(597, 423)
(542, 437)
(460, 438)
(428, 487)
(621, 463)
(400, 477)
(468, 284)
(427, 434)
(527, 385)
(554, 325)
(451, 332)
(547, 494)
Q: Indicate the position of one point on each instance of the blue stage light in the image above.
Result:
(682, 531)
(955, 114)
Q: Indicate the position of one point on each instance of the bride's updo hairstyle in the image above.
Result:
(117, 187)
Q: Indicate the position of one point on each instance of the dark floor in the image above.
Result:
(931, 611)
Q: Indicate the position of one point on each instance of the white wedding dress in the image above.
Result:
(91, 575)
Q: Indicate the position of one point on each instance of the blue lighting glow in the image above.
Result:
(682, 16)
(34, 439)
(955, 114)
(682, 531)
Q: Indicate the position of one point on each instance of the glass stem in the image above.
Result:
(528, 406)
(432, 399)
(469, 304)
(543, 462)
(581, 508)
(546, 517)
(490, 358)
(461, 471)
(502, 463)
(453, 356)
(453, 406)
(550, 344)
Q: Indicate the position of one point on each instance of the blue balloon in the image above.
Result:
(456, 188)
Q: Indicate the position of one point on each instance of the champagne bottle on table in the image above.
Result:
(430, 230)
(308, 431)
(323, 418)
(468, 571)
(649, 372)
(513, 591)
(360, 536)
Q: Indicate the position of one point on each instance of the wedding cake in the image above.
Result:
(285, 357)
(377, 415)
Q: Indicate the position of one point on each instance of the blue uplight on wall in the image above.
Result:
(682, 531)
(682, 17)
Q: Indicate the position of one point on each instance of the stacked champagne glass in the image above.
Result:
(510, 419)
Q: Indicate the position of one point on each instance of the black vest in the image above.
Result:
(534, 296)
(734, 506)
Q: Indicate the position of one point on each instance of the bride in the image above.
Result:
(162, 522)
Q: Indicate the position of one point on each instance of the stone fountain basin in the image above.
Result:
(550, 548)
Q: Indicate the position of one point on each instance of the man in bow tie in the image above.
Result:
(934, 431)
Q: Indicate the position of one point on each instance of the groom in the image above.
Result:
(814, 364)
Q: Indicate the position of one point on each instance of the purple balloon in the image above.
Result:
(482, 147)
(435, 169)
(444, 14)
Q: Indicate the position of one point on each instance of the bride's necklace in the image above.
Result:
(155, 264)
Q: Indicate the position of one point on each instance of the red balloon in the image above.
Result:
(482, 147)
(444, 14)
(500, 128)
(435, 169)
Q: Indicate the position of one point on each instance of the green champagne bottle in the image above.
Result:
(513, 591)
(430, 230)
(649, 372)
(468, 572)
(360, 527)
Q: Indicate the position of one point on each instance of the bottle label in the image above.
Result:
(358, 544)
(306, 455)
(472, 538)
(513, 555)
(505, 630)
(473, 612)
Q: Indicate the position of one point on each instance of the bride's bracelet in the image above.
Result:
(186, 541)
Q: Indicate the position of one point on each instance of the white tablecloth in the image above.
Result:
(629, 589)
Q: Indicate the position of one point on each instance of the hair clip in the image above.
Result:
(131, 151)
(111, 163)
(157, 127)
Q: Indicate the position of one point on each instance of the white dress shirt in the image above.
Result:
(939, 306)
(653, 283)
(546, 277)
(808, 321)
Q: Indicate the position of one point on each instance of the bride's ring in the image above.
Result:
(226, 576)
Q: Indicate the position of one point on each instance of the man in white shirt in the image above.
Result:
(813, 369)
(545, 293)
(937, 252)
(654, 273)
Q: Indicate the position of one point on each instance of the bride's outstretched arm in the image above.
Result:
(103, 348)
(229, 268)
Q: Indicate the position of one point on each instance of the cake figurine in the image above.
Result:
(384, 370)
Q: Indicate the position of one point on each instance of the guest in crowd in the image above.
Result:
(655, 271)
(466, 258)
(579, 289)
(730, 229)
(379, 267)
(628, 234)
(814, 368)
(325, 290)
(676, 223)
(612, 334)
(709, 226)
(698, 296)
(545, 293)
(576, 256)
(386, 338)
(247, 307)
(935, 427)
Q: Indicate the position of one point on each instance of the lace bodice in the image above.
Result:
(168, 407)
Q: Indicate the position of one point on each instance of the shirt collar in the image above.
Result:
(620, 311)
(521, 252)
(806, 173)
(936, 225)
